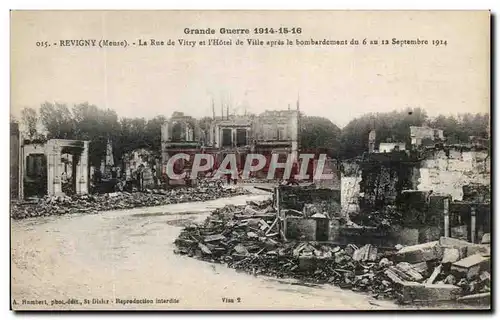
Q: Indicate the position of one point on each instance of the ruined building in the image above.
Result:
(424, 135)
(391, 146)
(180, 134)
(445, 169)
(231, 134)
(413, 181)
(53, 168)
(271, 132)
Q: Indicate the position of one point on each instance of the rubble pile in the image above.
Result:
(93, 204)
(246, 238)
(380, 218)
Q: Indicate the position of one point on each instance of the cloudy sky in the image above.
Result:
(337, 82)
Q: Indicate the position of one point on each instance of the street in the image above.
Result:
(90, 261)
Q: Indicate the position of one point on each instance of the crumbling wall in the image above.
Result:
(293, 197)
(330, 167)
(447, 171)
(349, 186)
(276, 125)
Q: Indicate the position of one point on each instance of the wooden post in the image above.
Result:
(446, 218)
(277, 204)
(473, 224)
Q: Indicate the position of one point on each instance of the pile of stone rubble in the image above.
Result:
(93, 204)
(246, 237)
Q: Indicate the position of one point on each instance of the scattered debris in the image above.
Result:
(421, 252)
(434, 274)
(242, 237)
(93, 204)
(420, 267)
(406, 268)
(366, 253)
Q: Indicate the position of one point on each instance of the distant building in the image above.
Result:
(419, 135)
(233, 134)
(371, 141)
(144, 160)
(271, 132)
(180, 134)
(391, 146)
(276, 132)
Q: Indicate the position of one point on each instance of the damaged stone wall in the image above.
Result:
(331, 167)
(447, 171)
(383, 177)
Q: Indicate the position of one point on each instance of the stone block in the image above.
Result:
(450, 255)
(471, 266)
(418, 292)
(452, 243)
(420, 252)
(486, 239)
(482, 249)
(448, 242)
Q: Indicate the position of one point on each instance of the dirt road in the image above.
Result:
(90, 261)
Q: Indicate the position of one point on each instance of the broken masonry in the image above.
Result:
(292, 244)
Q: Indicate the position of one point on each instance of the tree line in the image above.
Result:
(88, 122)
(394, 127)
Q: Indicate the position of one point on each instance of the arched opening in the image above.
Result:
(69, 173)
(35, 178)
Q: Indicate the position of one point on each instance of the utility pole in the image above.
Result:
(213, 108)
(245, 102)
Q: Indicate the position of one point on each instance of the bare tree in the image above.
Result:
(29, 121)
